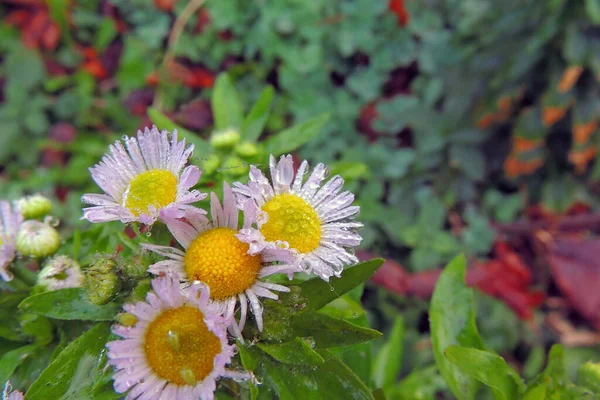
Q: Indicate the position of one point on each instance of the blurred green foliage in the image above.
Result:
(459, 114)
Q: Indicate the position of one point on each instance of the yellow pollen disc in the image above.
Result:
(194, 354)
(157, 187)
(217, 258)
(293, 220)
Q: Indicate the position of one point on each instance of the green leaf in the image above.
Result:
(201, 147)
(488, 368)
(69, 304)
(327, 331)
(333, 380)
(292, 138)
(452, 320)
(107, 31)
(226, 105)
(12, 359)
(389, 358)
(55, 380)
(316, 293)
(24, 68)
(257, 118)
(59, 11)
(592, 8)
(296, 351)
(422, 384)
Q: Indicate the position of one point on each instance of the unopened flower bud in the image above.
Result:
(34, 206)
(136, 267)
(589, 376)
(246, 150)
(211, 164)
(61, 272)
(102, 281)
(37, 239)
(226, 139)
(234, 166)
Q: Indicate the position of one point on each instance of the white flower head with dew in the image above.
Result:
(175, 349)
(144, 179)
(315, 220)
(214, 255)
(10, 220)
(61, 272)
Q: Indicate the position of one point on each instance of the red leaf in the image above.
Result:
(196, 115)
(397, 7)
(576, 270)
(165, 5)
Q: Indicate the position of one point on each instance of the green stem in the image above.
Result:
(25, 275)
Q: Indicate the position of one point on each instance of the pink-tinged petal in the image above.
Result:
(183, 232)
(189, 178)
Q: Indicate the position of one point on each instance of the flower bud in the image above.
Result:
(37, 239)
(34, 206)
(136, 267)
(226, 139)
(246, 150)
(102, 281)
(211, 164)
(61, 272)
(127, 319)
(234, 166)
(589, 376)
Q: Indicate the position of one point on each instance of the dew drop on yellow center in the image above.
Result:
(293, 220)
(179, 347)
(157, 187)
(217, 258)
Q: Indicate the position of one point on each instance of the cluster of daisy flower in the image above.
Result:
(175, 345)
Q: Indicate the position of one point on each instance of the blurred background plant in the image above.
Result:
(460, 125)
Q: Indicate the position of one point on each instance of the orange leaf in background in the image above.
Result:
(521, 145)
(485, 121)
(165, 5)
(192, 77)
(514, 167)
(575, 268)
(569, 78)
(582, 132)
(551, 115)
(38, 31)
(581, 158)
(397, 7)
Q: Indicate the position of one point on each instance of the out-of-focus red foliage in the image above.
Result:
(368, 114)
(505, 277)
(575, 266)
(38, 31)
(92, 63)
(61, 132)
(165, 5)
(397, 7)
(196, 115)
(194, 77)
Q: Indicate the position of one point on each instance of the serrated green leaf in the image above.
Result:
(292, 138)
(452, 320)
(296, 351)
(316, 293)
(226, 105)
(488, 368)
(389, 358)
(333, 380)
(55, 380)
(69, 304)
(201, 147)
(256, 119)
(12, 359)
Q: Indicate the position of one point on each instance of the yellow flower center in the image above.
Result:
(217, 258)
(179, 347)
(157, 187)
(293, 220)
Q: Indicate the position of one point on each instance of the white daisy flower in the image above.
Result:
(143, 180)
(176, 348)
(9, 226)
(61, 272)
(215, 256)
(9, 394)
(314, 220)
